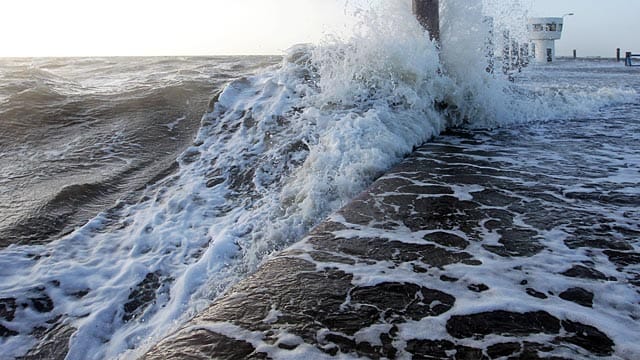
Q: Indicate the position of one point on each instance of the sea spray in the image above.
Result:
(278, 152)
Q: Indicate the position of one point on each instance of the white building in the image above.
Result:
(543, 33)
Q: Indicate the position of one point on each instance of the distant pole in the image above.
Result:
(618, 54)
(428, 14)
(575, 53)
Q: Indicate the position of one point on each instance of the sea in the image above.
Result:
(135, 191)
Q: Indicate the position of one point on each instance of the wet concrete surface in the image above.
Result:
(474, 247)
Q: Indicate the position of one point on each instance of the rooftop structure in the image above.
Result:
(543, 33)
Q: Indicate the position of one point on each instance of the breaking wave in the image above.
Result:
(277, 153)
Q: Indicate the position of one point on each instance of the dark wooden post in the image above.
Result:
(428, 14)
(618, 54)
(627, 59)
(575, 53)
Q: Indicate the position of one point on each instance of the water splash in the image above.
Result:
(278, 153)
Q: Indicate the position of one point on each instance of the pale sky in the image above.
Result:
(223, 27)
(162, 27)
(598, 26)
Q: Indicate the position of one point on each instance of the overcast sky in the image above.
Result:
(220, 27)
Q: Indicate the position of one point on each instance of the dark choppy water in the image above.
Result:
(80, 133)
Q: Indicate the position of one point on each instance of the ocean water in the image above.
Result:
(135, 191)
(78, 134)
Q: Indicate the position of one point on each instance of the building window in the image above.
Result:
(537, 27)
(551, 27)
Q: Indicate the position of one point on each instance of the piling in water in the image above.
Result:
(428, 14)
(627, 59)
(618, 54)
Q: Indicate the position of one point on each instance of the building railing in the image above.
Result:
(552, 27)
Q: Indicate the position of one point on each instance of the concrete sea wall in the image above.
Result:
(449, 255)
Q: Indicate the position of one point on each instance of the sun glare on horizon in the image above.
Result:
(249, 27)
(189, 27)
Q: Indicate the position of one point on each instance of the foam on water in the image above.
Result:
(278, 153)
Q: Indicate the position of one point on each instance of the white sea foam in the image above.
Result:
(280, 151)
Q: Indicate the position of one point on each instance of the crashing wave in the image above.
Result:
(277, 153)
